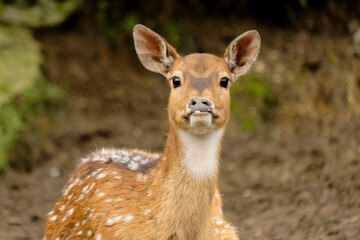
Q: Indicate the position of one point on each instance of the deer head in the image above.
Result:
(200, 84)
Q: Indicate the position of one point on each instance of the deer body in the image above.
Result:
(131, 194)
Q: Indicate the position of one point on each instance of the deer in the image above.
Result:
(173, 195)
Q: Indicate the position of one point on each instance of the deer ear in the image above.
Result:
(153, 51)
(242, 53)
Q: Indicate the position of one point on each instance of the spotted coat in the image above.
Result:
(111, 195)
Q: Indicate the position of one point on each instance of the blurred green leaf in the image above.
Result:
(130, 20)
(20, 58)
(37, 13)
(303, 3)
(24, 92)
(252, 101)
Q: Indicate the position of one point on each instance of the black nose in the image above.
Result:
(200, 104)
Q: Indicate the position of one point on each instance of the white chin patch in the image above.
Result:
(200, 122)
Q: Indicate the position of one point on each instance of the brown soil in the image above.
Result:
(294, 177)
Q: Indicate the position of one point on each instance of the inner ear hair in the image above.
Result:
(242, 53)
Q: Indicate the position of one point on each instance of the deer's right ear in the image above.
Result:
(242, 53)
(153, 51)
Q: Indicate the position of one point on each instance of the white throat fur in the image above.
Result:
(200, 152)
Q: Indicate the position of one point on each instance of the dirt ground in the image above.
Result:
(297, 176)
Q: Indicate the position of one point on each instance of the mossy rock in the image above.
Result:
(20, 60)
(38, 13)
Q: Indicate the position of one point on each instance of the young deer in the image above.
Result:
(132, 194)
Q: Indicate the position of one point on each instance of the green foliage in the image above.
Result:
(120, 17)
(24, 93)
(130, 20)
(303, 3)
(174, 32)
(37, 13)
(108, 19)
(15, 115)
(252, 101)
(20, 58)
(112, 17)
(10, 125)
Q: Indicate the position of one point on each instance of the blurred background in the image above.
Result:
(70, 83)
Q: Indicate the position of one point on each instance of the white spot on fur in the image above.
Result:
(141, 177)
(117, 177)
(133, 166)
(77, 224)
(89, 233)
(93, 174)
(138, 176)
(111, 221)
(79, 232)
(77, 181)
(118, 199)
(67, 190)
(101, 194)
(128, 218)
(70, 212)
(201, 152)
(49, 213)
(101, 175)
(149, 193)
(98, 237)
(62, 207)
(108, 200)
(53, 218)
(81, 197)
(85, 188)
(147, 211)
(219, 222)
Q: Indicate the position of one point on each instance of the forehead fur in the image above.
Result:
(201, 64)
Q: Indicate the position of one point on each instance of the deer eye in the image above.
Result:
(176, 82)
(224, 82)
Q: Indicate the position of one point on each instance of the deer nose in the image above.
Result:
(200, 104)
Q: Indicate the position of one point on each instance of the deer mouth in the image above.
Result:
(200, 113)
(200, 121)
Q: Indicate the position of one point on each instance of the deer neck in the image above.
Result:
(196, 156)
(190, 176)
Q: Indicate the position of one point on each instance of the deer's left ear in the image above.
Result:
(242, 53)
